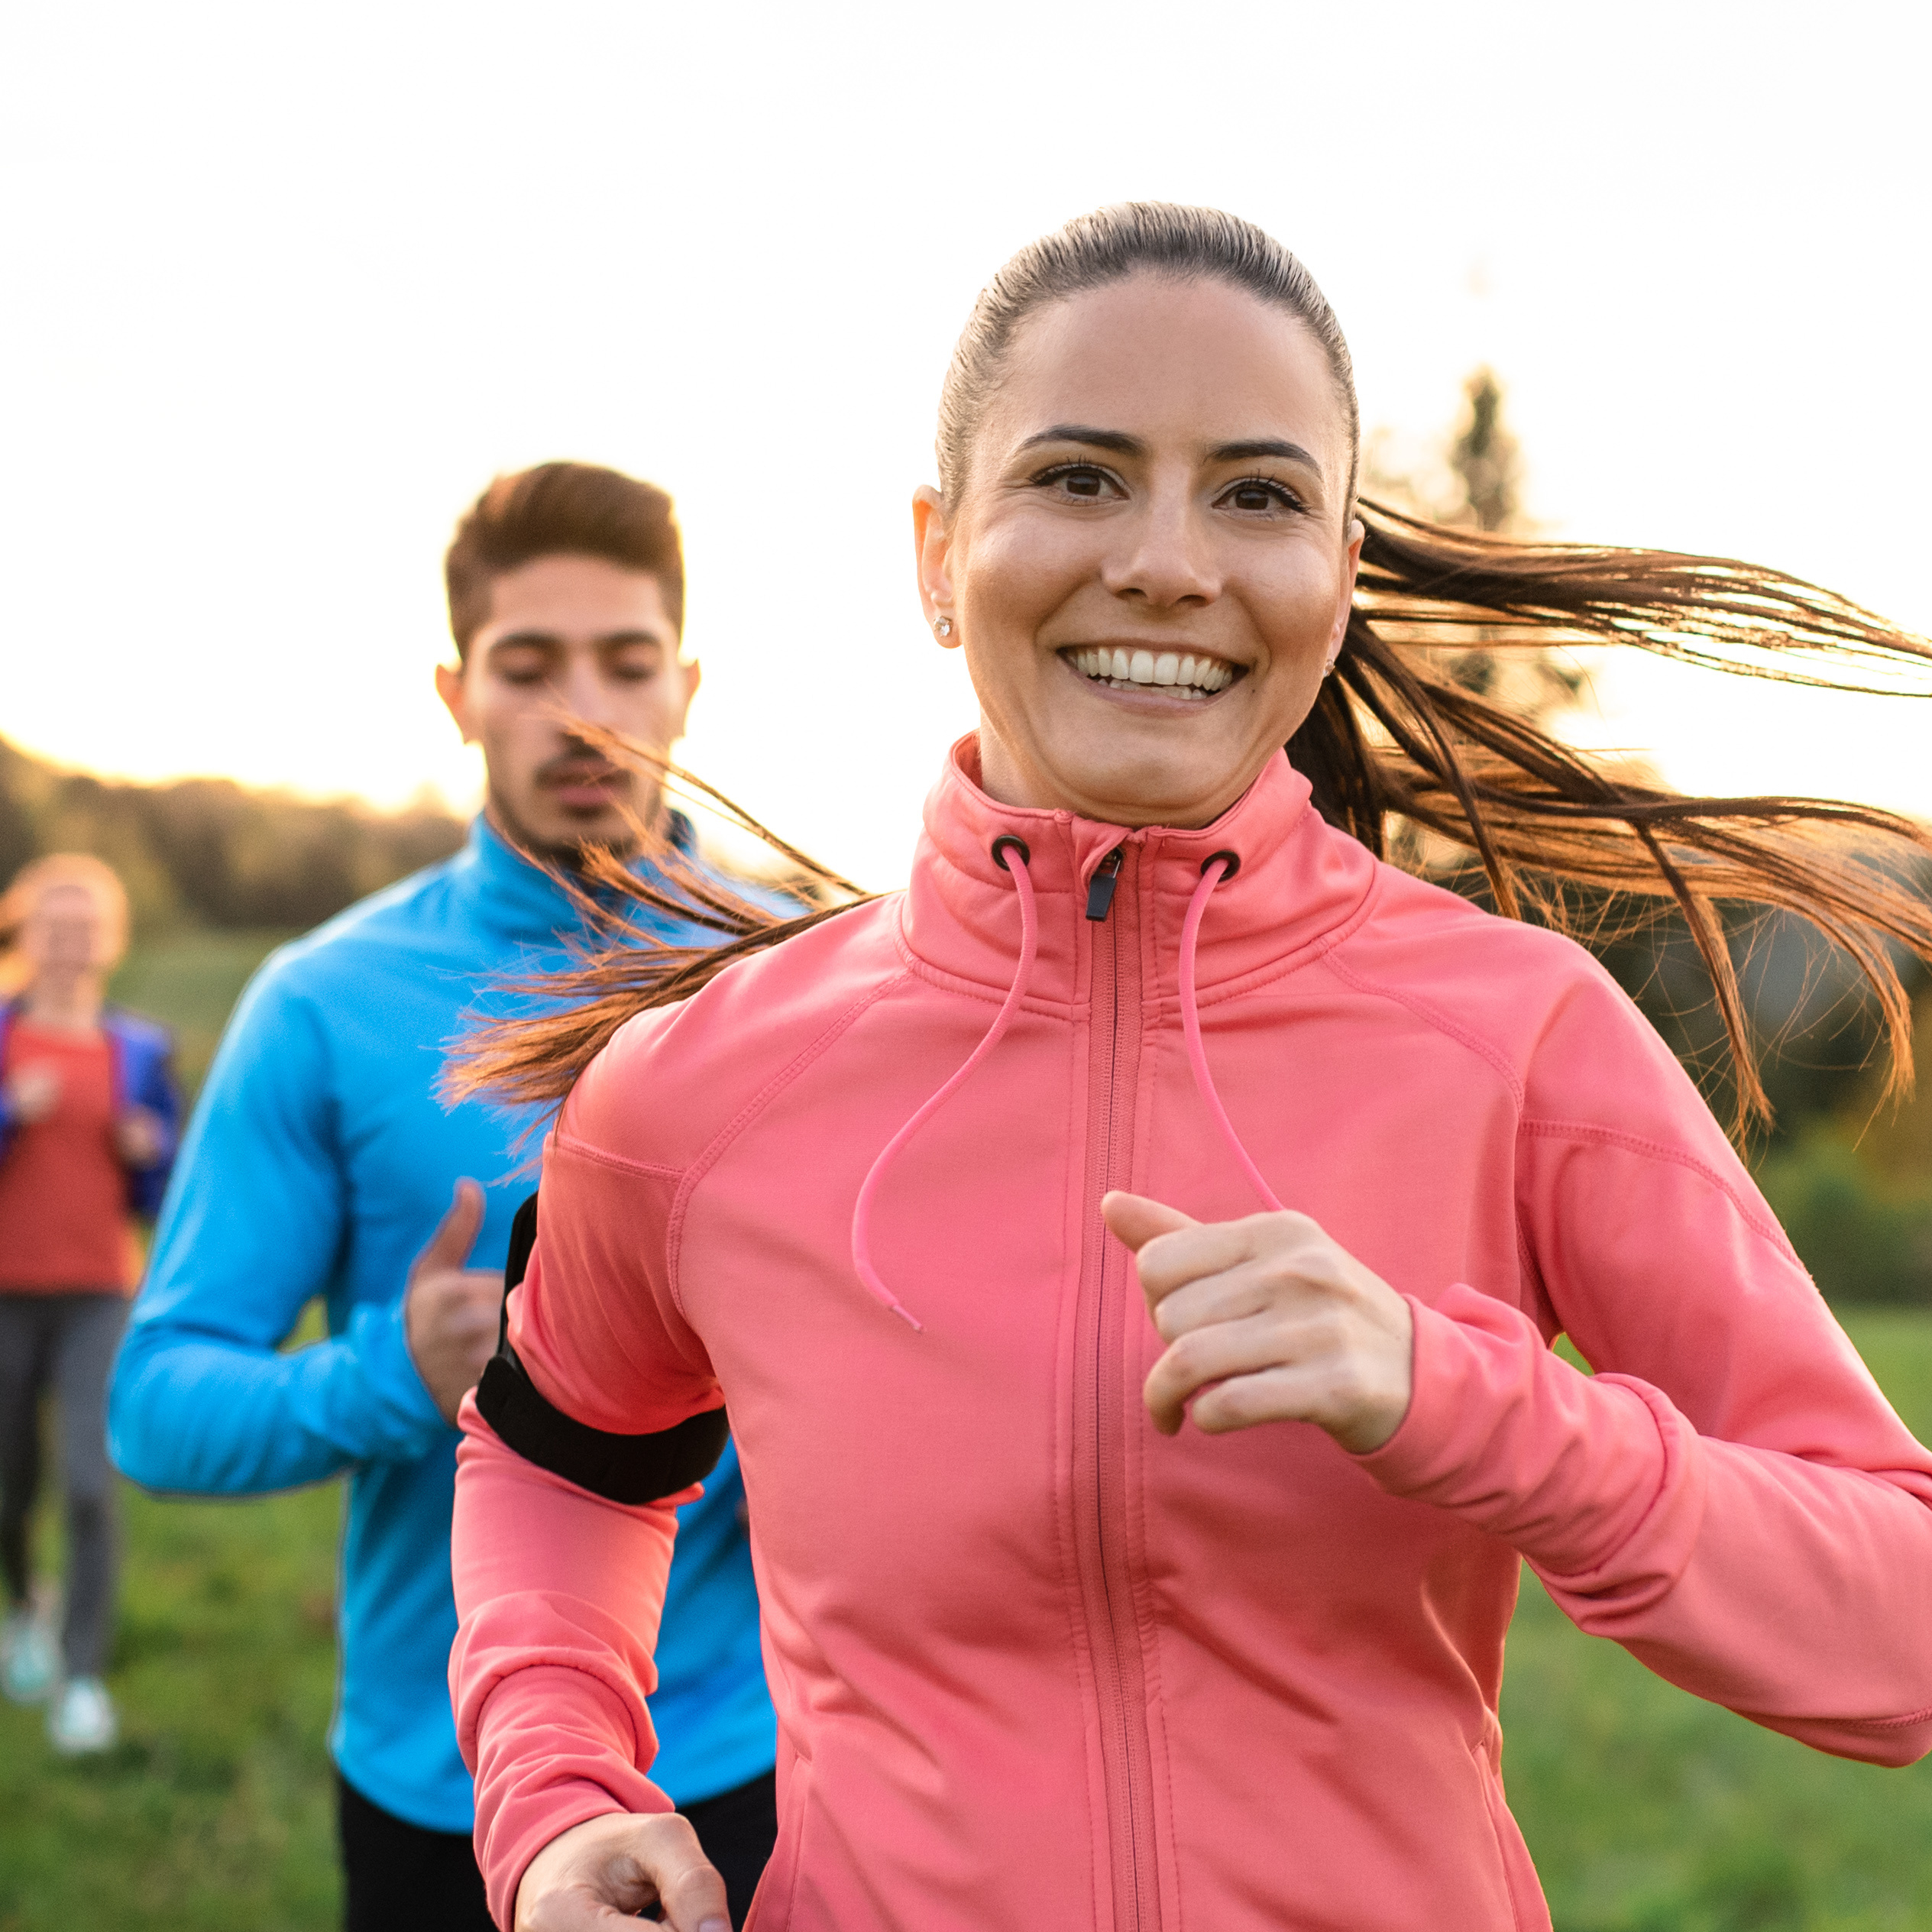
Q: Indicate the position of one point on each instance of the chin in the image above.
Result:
(558, 836)
(1159, 785)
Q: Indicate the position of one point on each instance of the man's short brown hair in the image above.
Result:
(575, 509)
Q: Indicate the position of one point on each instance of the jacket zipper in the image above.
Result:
(1101, 1500)
(1100, 887)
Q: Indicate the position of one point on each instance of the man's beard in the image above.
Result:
(635, 831)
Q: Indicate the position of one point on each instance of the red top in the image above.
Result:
(63, 1197)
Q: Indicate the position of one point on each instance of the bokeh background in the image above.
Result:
(286, 285)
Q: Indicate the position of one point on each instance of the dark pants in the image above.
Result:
(402, 1878)
(738, 1828)
(63, 1344)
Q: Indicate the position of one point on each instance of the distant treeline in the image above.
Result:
(209, 853)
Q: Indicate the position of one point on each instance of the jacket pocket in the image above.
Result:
(777, 1894)
(1528, 1910)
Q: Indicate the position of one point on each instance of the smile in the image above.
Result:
(1176, 674)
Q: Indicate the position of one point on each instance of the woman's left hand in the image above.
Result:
(1267, 1320)
(139, 1137)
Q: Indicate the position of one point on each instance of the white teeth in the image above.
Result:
(1184, 674)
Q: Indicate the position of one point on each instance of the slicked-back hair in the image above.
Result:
(575, 509)
(1112, 244)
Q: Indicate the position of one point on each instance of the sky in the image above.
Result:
(286, 285)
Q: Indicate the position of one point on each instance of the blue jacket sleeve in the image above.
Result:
(148, 1059)
(203, 1401)
(9, 1127)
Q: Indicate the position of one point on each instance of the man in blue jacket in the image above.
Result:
(320, 1161)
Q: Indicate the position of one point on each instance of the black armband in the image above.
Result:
(621, 1468)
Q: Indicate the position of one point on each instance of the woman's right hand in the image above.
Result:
(599, 1875)
(33, 1093)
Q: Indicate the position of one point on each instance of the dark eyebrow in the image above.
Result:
(1123, 445)
(1120, 443)
(1246, 452)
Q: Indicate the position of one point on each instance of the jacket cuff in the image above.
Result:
(556, 1748)
(1508, 1435)
(381, 1342)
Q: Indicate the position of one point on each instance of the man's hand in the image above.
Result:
(139, 1137)
(451, 1313)
(599, 1875)
(1267, 1320)
(33, 1093)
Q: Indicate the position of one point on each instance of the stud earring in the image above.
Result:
(942, 626)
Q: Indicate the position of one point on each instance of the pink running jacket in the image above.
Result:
(1034, 1665)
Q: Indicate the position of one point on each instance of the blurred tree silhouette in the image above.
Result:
(1475, 479)
(209, 853)
(1486, 458)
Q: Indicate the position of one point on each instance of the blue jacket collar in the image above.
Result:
(510, 895)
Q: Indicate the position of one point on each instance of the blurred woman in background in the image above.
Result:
(88, 1111)
(1131, 1254)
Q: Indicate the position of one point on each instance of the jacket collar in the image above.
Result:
(1299, 884)
(507, 895)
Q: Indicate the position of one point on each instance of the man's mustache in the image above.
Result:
(578, 767)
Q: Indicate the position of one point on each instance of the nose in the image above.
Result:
(1165, 557)
(581, 689)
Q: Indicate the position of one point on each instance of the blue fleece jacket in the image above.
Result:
(318, 1161)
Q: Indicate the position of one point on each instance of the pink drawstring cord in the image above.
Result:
(1221, 865)
(862, 1211)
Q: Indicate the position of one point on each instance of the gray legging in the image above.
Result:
(64, 1343)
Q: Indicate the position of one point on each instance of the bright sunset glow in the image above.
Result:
(288, 286)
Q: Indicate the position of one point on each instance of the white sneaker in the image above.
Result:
(28, 1662)
(82, 1719)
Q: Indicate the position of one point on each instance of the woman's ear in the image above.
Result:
(932, 540)
(1346, 606)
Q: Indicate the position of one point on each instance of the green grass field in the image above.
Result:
(1647, 1811)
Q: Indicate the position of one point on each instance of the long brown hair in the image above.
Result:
(1394, 739)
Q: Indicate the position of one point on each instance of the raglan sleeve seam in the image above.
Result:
(1646, 1147)
(648, 1174)
(740, 1123)
(1432, 1017)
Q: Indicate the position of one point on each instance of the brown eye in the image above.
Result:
(1082, 482)
(1259, 496)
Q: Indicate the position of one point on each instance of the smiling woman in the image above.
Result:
(1160, 1098)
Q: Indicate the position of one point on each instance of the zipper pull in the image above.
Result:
(1100, 887)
